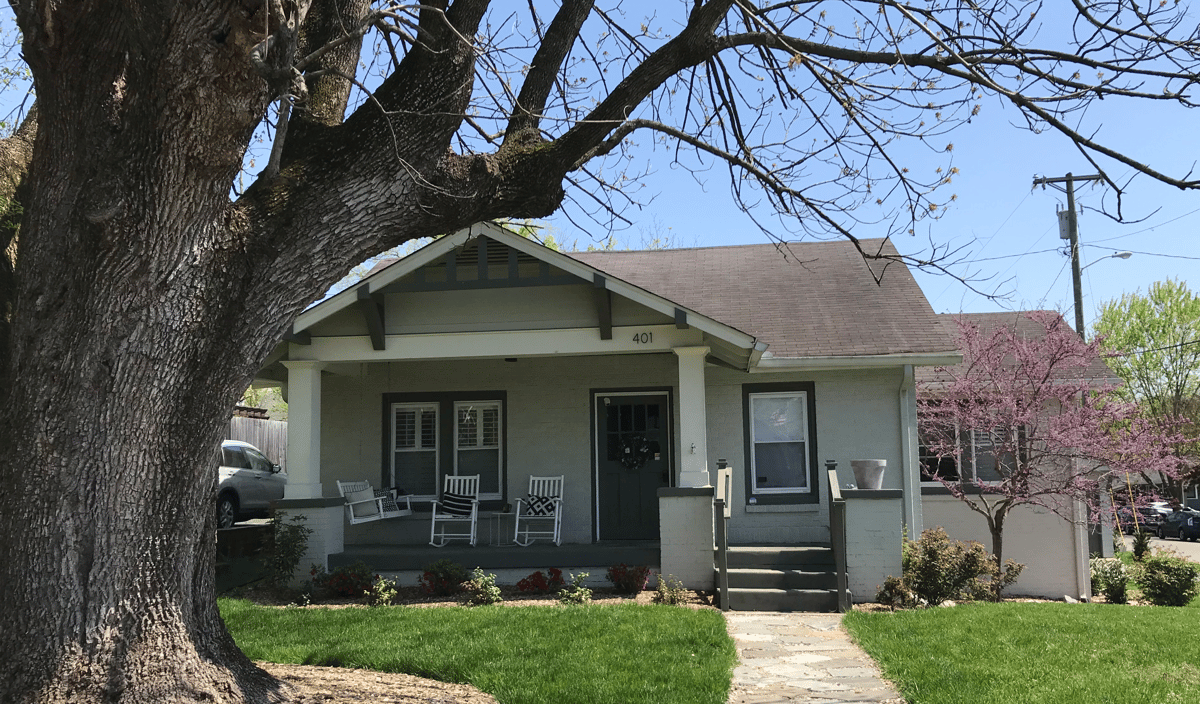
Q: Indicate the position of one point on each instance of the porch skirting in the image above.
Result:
(568, 557)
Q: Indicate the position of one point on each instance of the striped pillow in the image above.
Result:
(457, 504)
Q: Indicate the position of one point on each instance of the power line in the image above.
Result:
(1148, 229)
(1178, 345)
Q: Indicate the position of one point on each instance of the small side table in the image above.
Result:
(500, 525)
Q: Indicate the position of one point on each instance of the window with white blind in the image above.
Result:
(415, 448)
(433, 435)
(477, 448)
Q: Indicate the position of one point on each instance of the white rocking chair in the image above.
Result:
(365, 504)
(543, 506)
(459, 504)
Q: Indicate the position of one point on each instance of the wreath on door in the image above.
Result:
(635, 450)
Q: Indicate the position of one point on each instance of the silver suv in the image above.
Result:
(249, 483)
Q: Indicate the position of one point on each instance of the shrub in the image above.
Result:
(670, 591)
(350, 581)
(1168, 580)
(383, 592)
(576, 593)
(895, 594)
(538, 583)
(442, 578)
(936, 568)
(480, 590)
(1141, 544)
(1110, 578)
(628, 580)
(286, 546)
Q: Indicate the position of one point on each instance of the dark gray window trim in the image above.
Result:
(446, 401)
(809, 388)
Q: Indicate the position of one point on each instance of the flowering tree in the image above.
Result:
(1030, 418)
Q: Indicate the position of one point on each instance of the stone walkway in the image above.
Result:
(801, 657)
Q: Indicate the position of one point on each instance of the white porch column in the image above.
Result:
(693, 419)
(304, 430)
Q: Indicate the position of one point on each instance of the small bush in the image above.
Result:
(539, 583)
(895, 594)
(1110, 578)
(576, 593)
(350, 581)
(670, 591)
(1168, 580)
(628, 580)
(286, 546)
(937, 568)
(1141, 544)
(442, 578)
(383, 592)
(480, 590)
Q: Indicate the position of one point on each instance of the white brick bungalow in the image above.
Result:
(774, 358)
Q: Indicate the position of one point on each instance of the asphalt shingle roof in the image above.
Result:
(811, 299)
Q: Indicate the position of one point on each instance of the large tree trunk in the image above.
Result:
(126, 352)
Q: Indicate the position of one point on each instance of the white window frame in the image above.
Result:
(498, 405)
(802, 396)
(419, 447)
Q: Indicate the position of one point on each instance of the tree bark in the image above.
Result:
(124, 358)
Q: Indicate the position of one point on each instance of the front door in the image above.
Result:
(633, 459)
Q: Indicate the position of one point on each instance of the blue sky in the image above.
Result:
(1009, 230)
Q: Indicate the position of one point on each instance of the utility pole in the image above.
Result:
(1073, 235)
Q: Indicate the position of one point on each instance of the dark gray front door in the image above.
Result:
(633, 443)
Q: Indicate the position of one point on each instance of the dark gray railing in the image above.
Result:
(837, 535)
(721, 503)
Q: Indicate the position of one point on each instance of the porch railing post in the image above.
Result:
(721, 528)
(837, 535)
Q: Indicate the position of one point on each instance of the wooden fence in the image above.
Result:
(270, 436)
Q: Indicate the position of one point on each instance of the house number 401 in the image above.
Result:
(643, 338)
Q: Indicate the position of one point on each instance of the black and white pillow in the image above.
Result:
(456, 504)
(389, 503)
(540, 505)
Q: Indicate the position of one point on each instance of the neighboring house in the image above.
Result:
(1054, 547)
(487, 353)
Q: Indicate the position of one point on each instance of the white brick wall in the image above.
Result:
(857, 416)
(327, 536)
(686, 527)
(1037, 537)
(873, 537)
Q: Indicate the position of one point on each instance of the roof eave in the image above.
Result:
(875, 361)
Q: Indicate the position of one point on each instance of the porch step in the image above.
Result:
(782, 578)
(780, 556)
(824, 600)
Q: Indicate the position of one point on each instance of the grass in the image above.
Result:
(583, 654)
(1036, 653)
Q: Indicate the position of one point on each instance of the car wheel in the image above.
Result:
(1161, 534)
(226, 511)
(1182, 537)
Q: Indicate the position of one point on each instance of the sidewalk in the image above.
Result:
(801, 657)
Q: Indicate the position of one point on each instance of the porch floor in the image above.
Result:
(398, 558)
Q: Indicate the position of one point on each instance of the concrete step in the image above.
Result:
(782, 579)
(808, 558)
(783, 600)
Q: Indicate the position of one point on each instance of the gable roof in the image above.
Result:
(1024, 326)
(812, 299)
(801, 303)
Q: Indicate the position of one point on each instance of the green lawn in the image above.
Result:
(1037, 653)
(531, 655)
